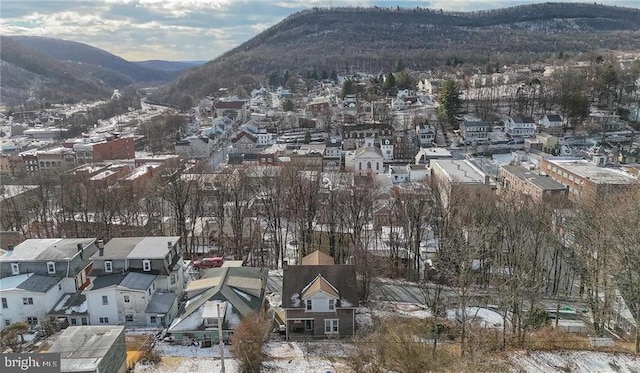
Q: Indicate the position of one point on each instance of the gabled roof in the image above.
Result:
(47, 249)
(553, 118)
(296, 279)
(317, 258)
(161, 303)
(522, 120)
(38, 283)
(368, 150)
(243, 134)
(319, 284)
(236, 285)
(71, 304)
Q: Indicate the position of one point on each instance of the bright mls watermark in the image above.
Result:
(36, 363)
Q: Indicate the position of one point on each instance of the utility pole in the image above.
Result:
(220, 341)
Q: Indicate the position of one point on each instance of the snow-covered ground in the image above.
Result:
(294, 357)
(575, 362)
(175, 350)
(188, 365)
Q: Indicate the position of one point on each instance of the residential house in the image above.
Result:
(366, 159)
(320, 106)
(398, 174)
(474, 131)
(91, 349)
(332, 155)
(227, 294)
(551, 124)
(129, 298)
(319, 298)
(195, 147)
(425, 155)
(27, 298)
(38, 272)
(549, 142)
(159, 256)
(520, 127)
(426, 134)
(244, 142)
(607, 121)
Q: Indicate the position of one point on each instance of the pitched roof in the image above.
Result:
(297, 278)
(38, 283)
(47, 249)
(138, 281)
(320, 284)
(237, 285)
(369, 150)
(161, 303)
(317, 258)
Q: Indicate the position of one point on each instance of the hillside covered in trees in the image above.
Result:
(373, 39)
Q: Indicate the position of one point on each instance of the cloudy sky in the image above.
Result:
(183, 30)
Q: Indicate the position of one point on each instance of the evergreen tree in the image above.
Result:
(348, 88)
(450, 102)
(288, 105)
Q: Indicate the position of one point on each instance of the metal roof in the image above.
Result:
(38, 283)
(161, 303)
(46, 249)
(138, 281)
(107, 280)
(82, 348)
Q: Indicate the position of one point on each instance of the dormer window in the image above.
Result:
(108, 266)
(146, 265)
(15, 269)
(51, 268)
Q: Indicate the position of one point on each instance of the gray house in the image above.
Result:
(159, 256)
(91, 349)
(319, 299)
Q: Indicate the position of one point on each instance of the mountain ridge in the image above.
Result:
(373, 39)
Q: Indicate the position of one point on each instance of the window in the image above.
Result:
(126, 299)
(332, 304)
(4, 303)
(128, 318)
(105, 300)
(308, 304)
(84, 321)
(330, 326)
(32, 321)
(51, 268)
(7, 322)
(15, 269)
(153, 320)
(149, 291)
(104, 320)
(146, 265)
(108, 266)
(74, 321)
(172, 279)
(27, 300)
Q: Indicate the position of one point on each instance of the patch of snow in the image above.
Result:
(189, 365)
(574, 361)
(61, 304)
(191, 322)
(246, 296)
(486, 317)
(364, 322)
(345, 303)
(274, 299)
(290, 357)
(28, 337)
(295, 299)
(81, 308)
(177, 350)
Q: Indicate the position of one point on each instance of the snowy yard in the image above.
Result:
(575, 362)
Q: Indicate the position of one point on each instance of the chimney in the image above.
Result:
(100, 244)
(487, 179)
(285, 264)
(169, 245)
(9, 247)
(80, 250)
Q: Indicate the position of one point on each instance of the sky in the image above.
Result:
(185, 30)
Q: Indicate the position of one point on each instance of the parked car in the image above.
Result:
(208, 262)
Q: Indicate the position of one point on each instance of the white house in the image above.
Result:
(125, 299)
(195, 147)
(398, 174)
(474, 131)
(426, 134)
(28, 297)
(366, 159)
(398, 104)
(551, 123)
(520, 127)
